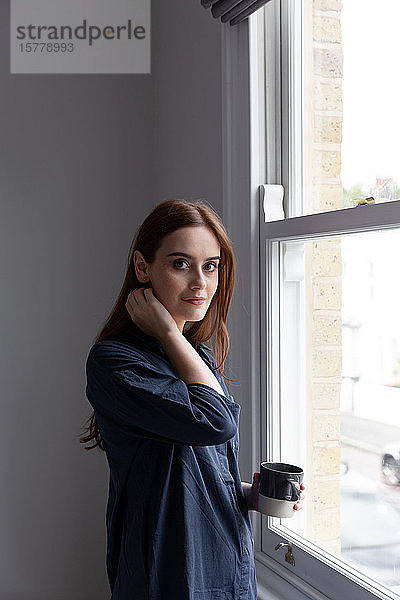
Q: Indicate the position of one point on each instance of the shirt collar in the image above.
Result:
(133, 331)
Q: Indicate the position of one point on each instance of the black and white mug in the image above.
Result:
(279, 488)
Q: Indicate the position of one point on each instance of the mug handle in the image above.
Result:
(292, 490)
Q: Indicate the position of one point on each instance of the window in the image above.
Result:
(330, 333)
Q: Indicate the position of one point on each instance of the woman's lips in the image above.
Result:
(195, 302)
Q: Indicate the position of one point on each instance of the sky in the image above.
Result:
(371, 91)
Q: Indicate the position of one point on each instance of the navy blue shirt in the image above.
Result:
(178, 526)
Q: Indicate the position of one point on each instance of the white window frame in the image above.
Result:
(251, 158)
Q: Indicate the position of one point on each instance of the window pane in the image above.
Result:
(350, 123)
(340, 394)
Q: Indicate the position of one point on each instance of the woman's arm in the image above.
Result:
(148, 313)
(189, 365)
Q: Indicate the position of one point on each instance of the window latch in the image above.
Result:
(289, 556)
(271, 197)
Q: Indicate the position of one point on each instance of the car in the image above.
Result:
(369, 530)
(390, 466)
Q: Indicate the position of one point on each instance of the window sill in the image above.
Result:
(282, 584)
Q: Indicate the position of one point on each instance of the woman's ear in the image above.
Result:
(141, 267)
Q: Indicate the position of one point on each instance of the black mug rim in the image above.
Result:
(269, 467)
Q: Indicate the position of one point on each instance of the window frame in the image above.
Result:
(312, 576)
(246, 160)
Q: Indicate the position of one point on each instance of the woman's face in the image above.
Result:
(185, 266)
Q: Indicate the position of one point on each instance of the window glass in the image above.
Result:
(340, 394)
(348, 104)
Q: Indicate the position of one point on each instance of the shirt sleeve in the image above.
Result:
(146, 401)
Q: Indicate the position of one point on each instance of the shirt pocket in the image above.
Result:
(216, 458)
(225, 473)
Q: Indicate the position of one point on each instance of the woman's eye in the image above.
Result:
(180, 260)
(213, 265)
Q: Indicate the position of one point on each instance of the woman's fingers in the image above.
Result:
(136, 296)
(298, 505)
(131, 296)
(133, 302)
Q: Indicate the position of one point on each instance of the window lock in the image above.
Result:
(289, 556)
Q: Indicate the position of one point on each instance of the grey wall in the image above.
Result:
(83, 159)
(187, 101)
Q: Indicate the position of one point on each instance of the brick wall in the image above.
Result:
(323, 267)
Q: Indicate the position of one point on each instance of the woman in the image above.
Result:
(177, 517)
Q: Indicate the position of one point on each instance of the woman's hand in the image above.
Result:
(148, 313)
(253, 494)
(298, 505)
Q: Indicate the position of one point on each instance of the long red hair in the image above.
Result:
(166, 217)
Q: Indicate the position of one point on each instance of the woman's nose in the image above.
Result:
(198, 279)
